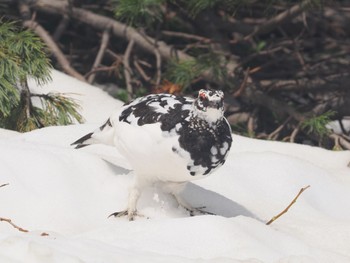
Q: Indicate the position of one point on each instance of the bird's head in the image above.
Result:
(209, 105)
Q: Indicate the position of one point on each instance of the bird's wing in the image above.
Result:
(155, 108)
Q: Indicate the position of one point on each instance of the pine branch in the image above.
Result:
(288, 207)
(57, 109)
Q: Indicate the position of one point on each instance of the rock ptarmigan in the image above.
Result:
(167, 139)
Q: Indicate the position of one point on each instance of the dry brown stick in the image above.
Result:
(262, 99)
(99, 69)
(58, 54)
(158, 65)
(289, 206)
(275, 133)
(186, 36)
(12, 224)
(61, 28)
(243, 84)
(141, 71)
(101, 22)
(100, 53)
(251, 122)
(276, 21)
(51, 44)
(118, 29)
(4, 185)
(340, 141)
(127, 69)
(294, 133)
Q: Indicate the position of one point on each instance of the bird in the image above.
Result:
(169, 140)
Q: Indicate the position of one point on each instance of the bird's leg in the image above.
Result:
(175, 189)
(134, 194)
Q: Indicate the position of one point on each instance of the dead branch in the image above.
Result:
(340, 141)
(61, 28)
(273, 135)
(278, 20)
(12, 224)
(251, 122)
(186, 36)
(260, 98)
(127, 69)
(243, 84)
(141, 71)
(294, 133)
(44, 35)
(99, 69)
(101, 23)
(121, 30)
(158, 66)
(100, 54)
(58, 54)
(289, 206)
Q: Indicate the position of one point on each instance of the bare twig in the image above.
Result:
(276, 21)
(251, 122)
(12, 224)
(4, 185)
(141, 71)
(243, 84)
(158, 64)
(273, 135)
(44, 35)
(289, 206)
(61, 28)
(186, 36)
(100, 54)
(127, 69)
(61, 59)
(340, 141)
(294, 133)
(118, 29)
(99, 69)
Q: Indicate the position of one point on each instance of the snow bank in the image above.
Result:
(69, 193)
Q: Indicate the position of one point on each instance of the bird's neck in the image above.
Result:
(211, 115)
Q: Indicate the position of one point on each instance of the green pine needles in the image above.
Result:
(183, 73)
(22, 55)
(318, 124)
(139, 13)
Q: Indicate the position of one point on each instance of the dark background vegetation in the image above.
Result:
(283, 65)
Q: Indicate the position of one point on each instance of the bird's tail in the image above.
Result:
(102, 135)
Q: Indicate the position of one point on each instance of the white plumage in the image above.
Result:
(168, 140)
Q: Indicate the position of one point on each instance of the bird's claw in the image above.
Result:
(198, 211)
(130, 214)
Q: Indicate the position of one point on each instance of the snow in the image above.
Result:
(69, 194)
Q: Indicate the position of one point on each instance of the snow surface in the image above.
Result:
(69, 193)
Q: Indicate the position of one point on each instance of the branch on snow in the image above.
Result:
(12, 224)
(289, 206)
